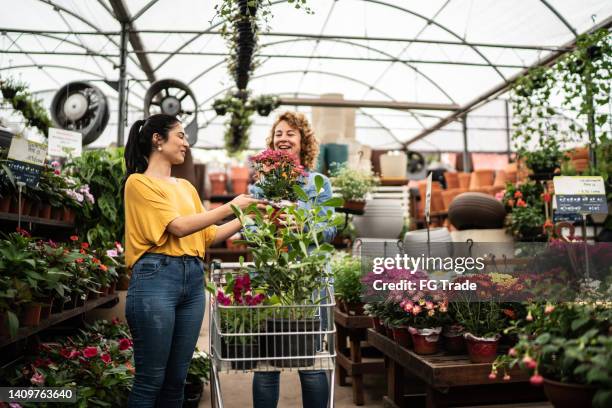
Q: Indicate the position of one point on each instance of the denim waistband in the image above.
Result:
(170, 258)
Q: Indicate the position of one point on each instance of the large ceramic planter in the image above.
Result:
(481, 350)
(562, 395)
(402, 336)
(4, 329)
(30, 316)
(425, 341)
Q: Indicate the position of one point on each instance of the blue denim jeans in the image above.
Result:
(315, 389)
(164, 309)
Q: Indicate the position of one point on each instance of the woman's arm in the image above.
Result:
(227, 230)
(188, 224)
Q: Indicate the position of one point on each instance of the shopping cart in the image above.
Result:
(270, 338)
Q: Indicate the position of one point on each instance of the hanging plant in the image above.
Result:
(264, 104)
(32, 110)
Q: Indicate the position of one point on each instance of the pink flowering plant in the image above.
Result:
(238, 311)
(276, 173)
(568, 342)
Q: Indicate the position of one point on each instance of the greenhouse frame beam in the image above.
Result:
(346, 103)
(560, 17)
(503, 87)
(299, 35)
(123, 16)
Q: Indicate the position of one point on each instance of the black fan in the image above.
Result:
(416, 163)
(81, 107)
(175, 98)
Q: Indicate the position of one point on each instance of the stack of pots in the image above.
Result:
(383, 218)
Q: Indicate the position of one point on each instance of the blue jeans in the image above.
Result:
(315, 390)
(164, 309)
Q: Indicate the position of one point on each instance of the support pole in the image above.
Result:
(122, 85)
(466, 162)
(507, 109)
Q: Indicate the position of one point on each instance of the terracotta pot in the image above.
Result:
(563, 395)
(402, 336)
(104, 291)
(217, 183)
(355, 205)
(68, 214)
(5, 204)
(34, 209)
(45, 310)
(30, 316)
(56, 213)
(425, 341)
(481, 350)
(378, 325)
(45, 211)
(26, 205)
(240, 179)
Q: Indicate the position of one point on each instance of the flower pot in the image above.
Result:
(45, 310)
(45, 211)
(264, 110)
(56, 213)
(563, 395)
(354, 205)
(5, 204)
(291, 345)
(378, 325)
(34, 209)
(191, 400)
(192, 391)
(401, 335)
(425, 341)
(240, 179)
(354, 308)
(93, 294)
(217, 183)
(239, 350)
(30, 315)
(68, 214)
(481, 350)
(26, 205)
(104, 291)
(221, 111)
(389, 332)
(454, 341)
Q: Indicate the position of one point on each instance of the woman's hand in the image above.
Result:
(244, 200)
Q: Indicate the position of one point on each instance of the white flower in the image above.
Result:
(112, 253)
(79, 197)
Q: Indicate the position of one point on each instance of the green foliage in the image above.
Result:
(103, 171)
(353, 184)
(482, 319)
(347, 277)
(201, 365)
(33, 111)
(526, 222)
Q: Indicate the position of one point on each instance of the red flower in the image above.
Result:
(125, 344)
(106, 358)
(521, 203)
(536, 379)
(74, 238)
(82, 251)
(222, 299)
(116, 321)
(546, 197)
(38, 379)
(518, 194)
(103, 267)
(510, 313)
(95, 260)
(89, 352)
(23, 232)
(56, 172)
(79, 260)
(84, 245)
(69, 354)
(548, 224)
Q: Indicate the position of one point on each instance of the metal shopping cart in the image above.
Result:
(270, 338)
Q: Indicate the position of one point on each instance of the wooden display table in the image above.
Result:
(440, 380)
(348, 360)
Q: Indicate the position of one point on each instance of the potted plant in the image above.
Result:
(567, 347)
(9, 322)
(8, 188)
(276, 174)
(425, 318)
(347, 283)
(526, 223)
(264, 104)
(11, 87)
(353, 185)
(290, 265)
(374, 310)
(197, 376)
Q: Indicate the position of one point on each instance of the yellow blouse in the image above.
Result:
(150, 205)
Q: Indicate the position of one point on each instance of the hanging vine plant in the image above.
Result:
(237, 126)
(35, 115)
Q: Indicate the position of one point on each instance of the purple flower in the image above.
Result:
(112, 253)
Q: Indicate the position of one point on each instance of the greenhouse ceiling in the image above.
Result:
(447, 52)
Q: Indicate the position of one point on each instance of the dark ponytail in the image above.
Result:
(140, 141)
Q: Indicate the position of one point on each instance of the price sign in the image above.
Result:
(580, 195)
(26, 160)
(64, 143)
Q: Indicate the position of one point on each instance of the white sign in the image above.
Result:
(428, 197)
(64, 143)
(26, 151)
(579, 185)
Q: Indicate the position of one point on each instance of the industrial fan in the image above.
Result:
(416, 165)
(81, 107)
(175, 98)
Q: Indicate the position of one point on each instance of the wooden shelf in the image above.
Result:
(54, 319)
(25, 219)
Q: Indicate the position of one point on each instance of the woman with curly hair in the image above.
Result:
(291, 132)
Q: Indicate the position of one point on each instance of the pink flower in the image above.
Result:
(549, 309)
(529, 317)
(222, 299)
(55, 164)
(529, 362)
(506, 377)
(89, 352)
(536, 379)
(493, 375)
(119, 247)
(38, 379)
(69, 354)
(416, 310)
(56, 172)
(106, 358)
(429, 305)
(512, 352)
(116, 321)
(112, 253)
(125, 344)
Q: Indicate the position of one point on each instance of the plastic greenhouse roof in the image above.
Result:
(435, 51)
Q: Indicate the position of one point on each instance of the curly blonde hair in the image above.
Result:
(309, 149)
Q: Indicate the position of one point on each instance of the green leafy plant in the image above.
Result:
(200, 366)
(526, 223)
(481, 319)
(347, 278)
(353, 184)
(32, 110)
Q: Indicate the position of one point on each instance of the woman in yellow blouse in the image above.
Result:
(166, 235)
